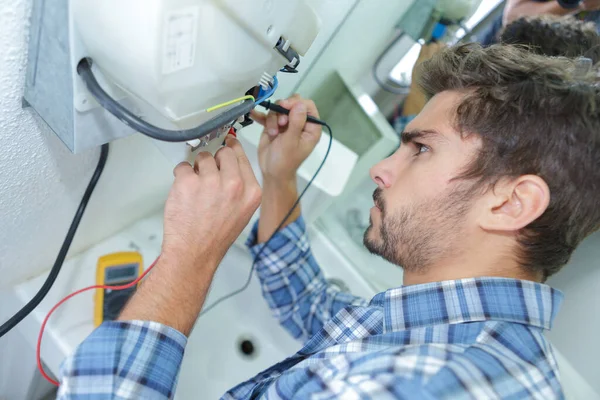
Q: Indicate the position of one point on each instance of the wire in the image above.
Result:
(267, 95)
(39, 341)
(230, 102)
(39, 296)
(374, 70)
(264, 246)
(84, 69)
(267, 105)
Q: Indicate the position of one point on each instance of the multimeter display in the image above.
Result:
(114, 300)
(116, 269)
(121, 273)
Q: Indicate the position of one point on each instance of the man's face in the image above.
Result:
(421, 215)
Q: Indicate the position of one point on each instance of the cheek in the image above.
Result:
(420, 181)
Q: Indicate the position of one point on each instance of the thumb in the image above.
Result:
(297, 119)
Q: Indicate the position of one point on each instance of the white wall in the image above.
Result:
(41, 182)
(358, 43)
(576, 332)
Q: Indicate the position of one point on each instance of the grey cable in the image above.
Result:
(84, 69)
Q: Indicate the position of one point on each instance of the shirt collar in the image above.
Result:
(469, 300)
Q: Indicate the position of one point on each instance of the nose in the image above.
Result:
(381, 173)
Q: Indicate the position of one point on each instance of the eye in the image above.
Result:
(421, 148)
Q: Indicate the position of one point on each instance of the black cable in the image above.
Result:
(374, 70)
(39, 296)
(288, 70)
(278, 109)
(84, 69)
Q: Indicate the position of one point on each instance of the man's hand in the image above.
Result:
(207, 208)
(287, 140)
(210, 203)
(285, 143)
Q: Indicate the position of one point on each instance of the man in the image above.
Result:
(547, 35)
(516, 9)
(587, 10)
(554, 36)
(494, 186)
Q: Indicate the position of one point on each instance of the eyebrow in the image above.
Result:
(411, 136)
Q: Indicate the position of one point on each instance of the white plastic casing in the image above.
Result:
(182, 56)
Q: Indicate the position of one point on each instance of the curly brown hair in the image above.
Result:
(535, 115)
(554, 36)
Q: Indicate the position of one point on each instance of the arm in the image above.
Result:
(284, 145)
(291, 280)
(139, 356)
(293, 284)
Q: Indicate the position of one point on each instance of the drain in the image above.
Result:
(247, 348)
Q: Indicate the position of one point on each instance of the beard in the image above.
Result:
(415, 236)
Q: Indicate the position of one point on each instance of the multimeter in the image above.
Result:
(115, 270)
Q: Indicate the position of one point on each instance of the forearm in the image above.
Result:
(173, 294)
(293, 284)
(516, 9)
(278, 197)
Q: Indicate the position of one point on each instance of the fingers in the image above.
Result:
(295, 99)
(297, 119)
(261, 118)
(243, 163)
(258, 117)
(183, 169)
(313, 130)
(251, 187)
(271, 124)
(205, 164)
(227, 162)
(283, 120)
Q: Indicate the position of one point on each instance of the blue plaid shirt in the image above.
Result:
(462, 339)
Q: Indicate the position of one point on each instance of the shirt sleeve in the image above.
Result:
(293, 284)
(363, 386)
(124, 360)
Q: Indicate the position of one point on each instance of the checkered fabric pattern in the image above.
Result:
(124, 360)
(479, 338)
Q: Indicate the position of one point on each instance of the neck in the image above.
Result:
(449, 273)
(486, 261)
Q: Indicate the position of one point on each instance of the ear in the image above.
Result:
(513, 204)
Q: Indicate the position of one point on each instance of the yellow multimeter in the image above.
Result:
(114, 270)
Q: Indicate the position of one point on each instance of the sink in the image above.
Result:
(235, 340)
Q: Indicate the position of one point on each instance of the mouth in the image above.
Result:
(377, 199)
